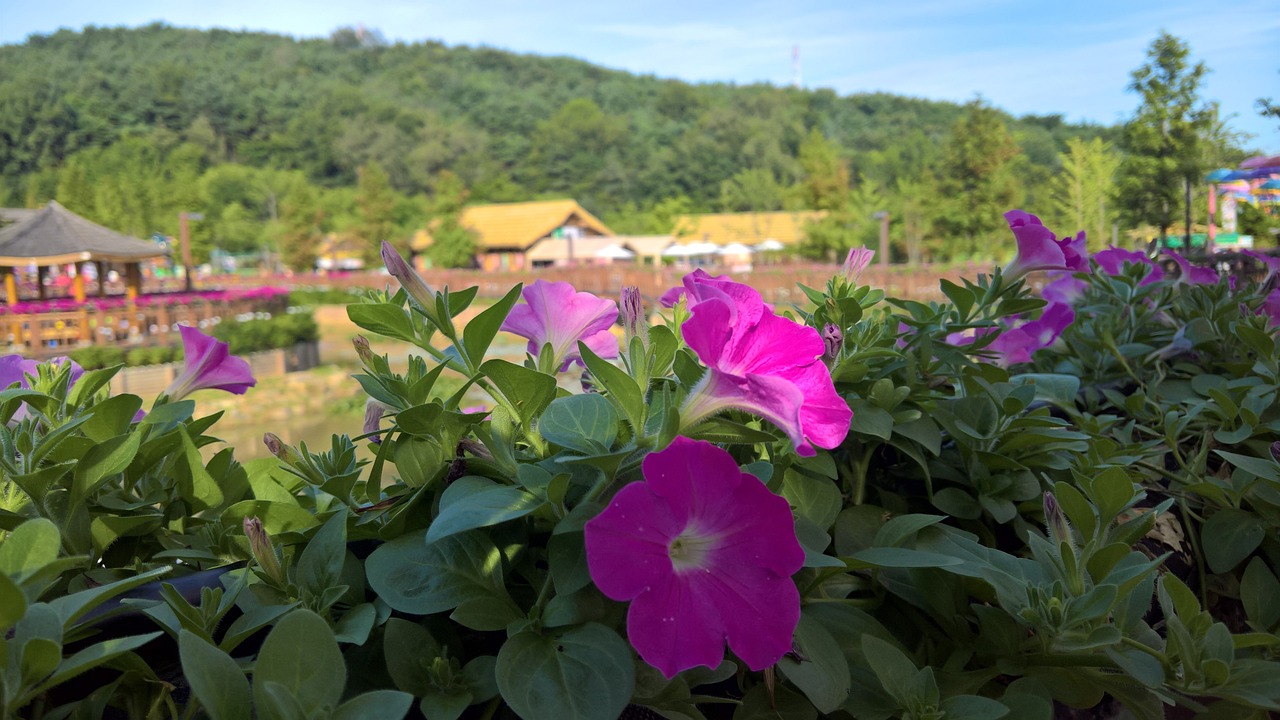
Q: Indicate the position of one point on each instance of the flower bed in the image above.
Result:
(1002, 505)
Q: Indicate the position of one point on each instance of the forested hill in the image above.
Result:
(510, 126)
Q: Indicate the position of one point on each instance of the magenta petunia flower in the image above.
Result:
(553, 312)
(705, 553)
(855, 262)
(1016, 345)
(1039, 248)
(1066, 288)
(759, 362)
(1271, 307)
(1193, 274)
(1113, 261)
(207, 365)
(1271, 262)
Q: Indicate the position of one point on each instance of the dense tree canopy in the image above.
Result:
(269, 136)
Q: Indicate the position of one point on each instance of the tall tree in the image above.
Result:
(1163, 140)
(1082, 191)
(753, 190)
(452, 245)
(977, 175)
(302, 230)
(376, 204)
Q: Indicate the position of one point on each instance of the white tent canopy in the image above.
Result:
(770, 245)
(735, 249)
(614, 251)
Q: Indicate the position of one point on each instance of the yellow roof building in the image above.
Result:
(749, 228)
(515, 227)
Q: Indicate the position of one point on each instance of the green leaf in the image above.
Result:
(480, 330)
(72, 607)
(382, 318)
(1230, 536)
(13, 604)
(111, 417)
(415, 577)
(1260, 594)
(276, 517)
(438, 705)
(408, 649)
(782, 704)
(101, 462)
(620, 386)
(528, 391)
(475, 502)
(1265, 469)
(380, 704)
(584, 673)
(902, 527)
(903, 558)
(1112, 492)
(586, 423)
(817, 499)
(957, 503)
(302, 656)
(972, 707)
(30, 546)
(821, 671)
(963, 298)
(216, 679)
(896, 672)
(197, 486)
(1061, 390)
(319, 567)
(871, 420)
(89, 658)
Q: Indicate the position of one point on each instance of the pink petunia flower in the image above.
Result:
(759, 362)
(855, 262)
(1271, 262)
(1016, 345)
(1193, 274)
(555, 313)
(1039, 248)
(207, 365)
(1066, 288)
(705, 553)
(1113, 261)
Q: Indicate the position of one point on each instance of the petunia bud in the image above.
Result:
(833, 340)
(857, 260)
(363, 350)
(285, 453)
(263, 551)
(1275, 451)
(634, 320)
(419, 292)
(373, 412)
(1055, 521)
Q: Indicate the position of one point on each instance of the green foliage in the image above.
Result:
(273, 333)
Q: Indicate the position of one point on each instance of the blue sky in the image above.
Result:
(1028, 56)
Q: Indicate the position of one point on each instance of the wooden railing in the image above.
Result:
(51, 333)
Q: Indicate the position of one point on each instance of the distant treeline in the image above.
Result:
(279, 141)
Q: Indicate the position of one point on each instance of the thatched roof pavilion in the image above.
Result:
(53, 235)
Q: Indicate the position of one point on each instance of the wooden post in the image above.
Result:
(77, 285)
(40, 273)
(132, 280)
(184, 239)
(10, 287)
(102, 278)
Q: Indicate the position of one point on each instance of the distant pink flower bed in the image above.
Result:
(162, 299)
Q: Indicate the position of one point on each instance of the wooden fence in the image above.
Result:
(51, 333)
